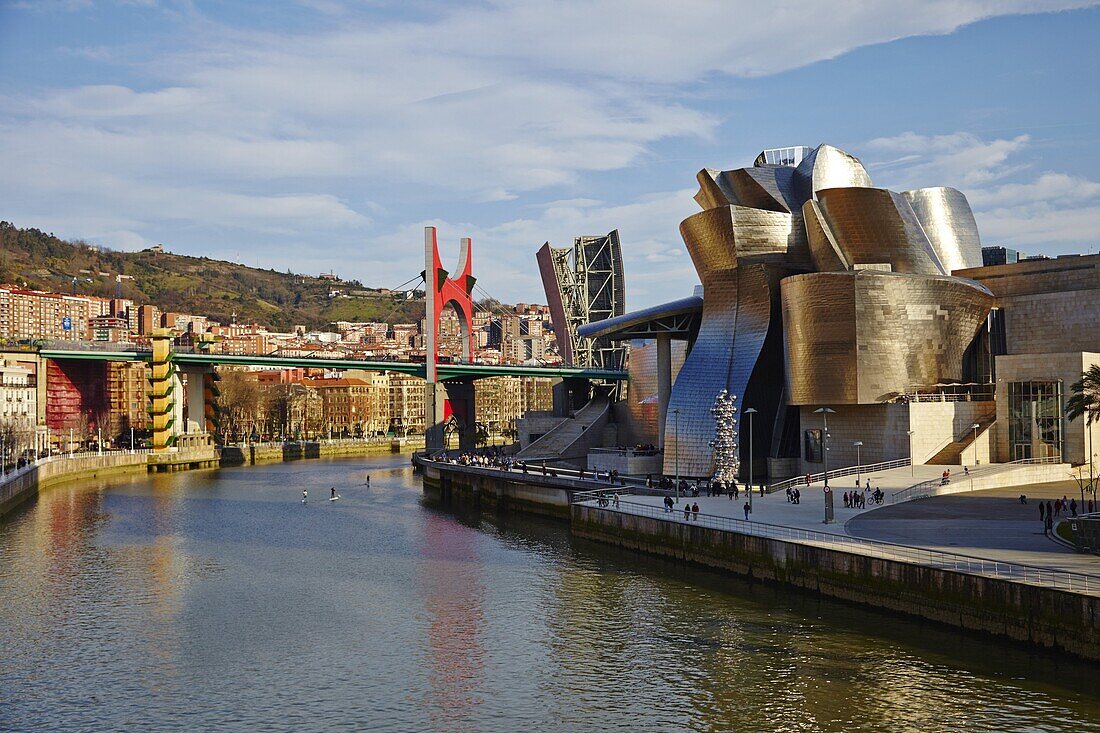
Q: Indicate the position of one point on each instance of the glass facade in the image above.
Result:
(1036, 419)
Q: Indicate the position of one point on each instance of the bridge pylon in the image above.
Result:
(453, 400)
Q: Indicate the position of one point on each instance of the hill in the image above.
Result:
(198, 285)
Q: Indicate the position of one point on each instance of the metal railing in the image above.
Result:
(929, 488)
(967, 564)
(836, 472)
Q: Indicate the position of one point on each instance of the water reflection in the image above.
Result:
(216, 600)
(453, 588)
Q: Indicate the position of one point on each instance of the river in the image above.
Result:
(216, 600)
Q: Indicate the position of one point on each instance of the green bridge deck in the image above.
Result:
(446, 371)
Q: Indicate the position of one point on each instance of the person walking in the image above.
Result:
(687, 511)
(1050, 512)
(695, 510)
(797, 496)
(1043, 514)
(1073, 507)
(1049, 524)
(747, 510)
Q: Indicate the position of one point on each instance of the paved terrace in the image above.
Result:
(987, 532)
(984, 524)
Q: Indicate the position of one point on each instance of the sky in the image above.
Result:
(323, 135)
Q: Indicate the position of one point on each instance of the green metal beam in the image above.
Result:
(446, 371)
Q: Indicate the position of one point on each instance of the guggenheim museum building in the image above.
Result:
(824, 297)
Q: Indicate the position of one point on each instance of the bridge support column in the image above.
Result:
(199, 394)
(664, 384)
(163, 392)
(448, 403)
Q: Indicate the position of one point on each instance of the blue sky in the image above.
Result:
(320, 134)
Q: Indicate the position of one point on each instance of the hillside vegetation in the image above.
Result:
(199, 285)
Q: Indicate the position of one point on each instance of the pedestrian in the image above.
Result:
(615, 500)
(807, 479)
(1042, 513)
(1073, 507)
(649, 480)
(687, 511)
(747, 510)
(1050, 510)
(1049, 523)
(797, 496)
(1057, 507)
(790, 495)
(695, 510)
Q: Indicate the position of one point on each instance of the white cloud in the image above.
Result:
(1043, 214)
(959, 159)
(302, 131)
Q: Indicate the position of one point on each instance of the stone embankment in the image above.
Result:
(1043, 615)
(26, 483)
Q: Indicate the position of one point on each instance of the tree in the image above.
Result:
(1085, 401)
(239, 402)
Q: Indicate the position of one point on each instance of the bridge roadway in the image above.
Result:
(446, 371)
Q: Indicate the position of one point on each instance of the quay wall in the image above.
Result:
(1045, 617)
(31, 480)
(491, 490)
(1041, 616)
(240, 455)
(27, 483)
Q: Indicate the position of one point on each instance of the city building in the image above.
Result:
(345, 405)
(127, 390)
(18, 398)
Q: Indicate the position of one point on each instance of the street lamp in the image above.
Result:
(676, 450)
(858, 444)
(975, 427)
(912, 467)
(828, 494)
(825, 412)
(750, 411)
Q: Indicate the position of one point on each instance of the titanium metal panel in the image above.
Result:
(948, 222)
(873, 226)
(642, 407)
(718, 237)
(713, 191)
(824, 251)
(864, 337)
(737, 315)
(829, 167)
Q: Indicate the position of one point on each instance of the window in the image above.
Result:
(1036, 417)
(813, 451)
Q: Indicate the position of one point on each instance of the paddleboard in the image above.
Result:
(334, 498)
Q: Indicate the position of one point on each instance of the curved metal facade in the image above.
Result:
(874, 226)
(818, 289)
(948, 222)
(864, 337)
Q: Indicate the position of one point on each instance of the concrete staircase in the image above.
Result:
(951, 454)
(571, 440)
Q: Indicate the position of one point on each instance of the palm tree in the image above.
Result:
(1086, 402)
(1086, 397)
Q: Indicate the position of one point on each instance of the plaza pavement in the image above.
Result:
(986, 523)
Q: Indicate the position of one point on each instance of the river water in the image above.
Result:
(216, 600)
